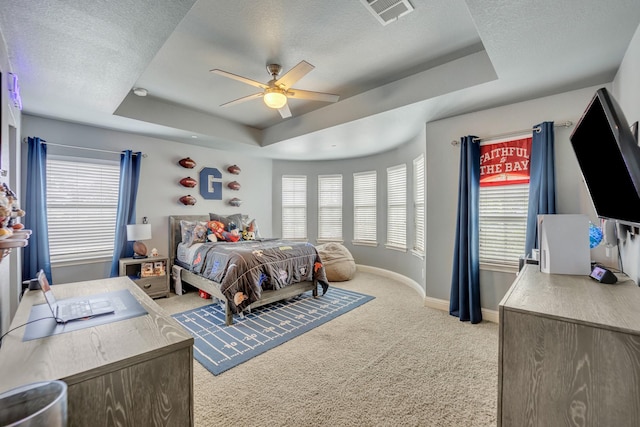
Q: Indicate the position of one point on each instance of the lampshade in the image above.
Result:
(138, 232)
(274, 98)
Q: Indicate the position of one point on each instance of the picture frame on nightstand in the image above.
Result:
(146, 269)
(159, 268)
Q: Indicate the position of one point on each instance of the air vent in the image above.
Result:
(387, 11)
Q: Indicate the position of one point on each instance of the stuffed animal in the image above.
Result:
(217, 228)
(249, 232)
(5, 215)
(231, 236)
(14, 208)
(220, 234)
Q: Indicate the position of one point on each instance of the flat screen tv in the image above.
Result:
(609, 158)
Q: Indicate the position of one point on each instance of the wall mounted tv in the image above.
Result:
(609, 158)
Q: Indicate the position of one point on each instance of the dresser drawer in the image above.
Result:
(154, 286)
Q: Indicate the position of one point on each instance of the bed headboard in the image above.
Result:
(175, 235)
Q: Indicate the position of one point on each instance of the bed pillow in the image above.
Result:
(228, 219)
(193, 232)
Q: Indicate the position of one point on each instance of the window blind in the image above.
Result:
(330, 207)
(397, 206)
(294, 207)
(503, 223)
(82, 200)
(418, 205)
(365, 207)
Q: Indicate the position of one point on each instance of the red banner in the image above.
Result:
(505, 163)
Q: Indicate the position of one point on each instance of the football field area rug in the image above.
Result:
(219, 347)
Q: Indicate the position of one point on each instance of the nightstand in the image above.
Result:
(150, 274)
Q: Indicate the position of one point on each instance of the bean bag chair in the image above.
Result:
(338, 262)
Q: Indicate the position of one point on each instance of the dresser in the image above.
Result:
(569, 352)
(133, 372)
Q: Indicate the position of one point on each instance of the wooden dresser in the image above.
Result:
(133, 372)
(569, 352)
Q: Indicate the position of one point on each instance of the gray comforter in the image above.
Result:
(243, 269)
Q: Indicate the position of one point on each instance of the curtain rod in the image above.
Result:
(24, 140)
(517, 132)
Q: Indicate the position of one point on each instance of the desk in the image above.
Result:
(134, 372)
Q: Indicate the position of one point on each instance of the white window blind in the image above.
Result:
(418, 205)
(503, 223)
(365, 207)
(397, 207)
(82, 200)
(330, 208)
(294, 207)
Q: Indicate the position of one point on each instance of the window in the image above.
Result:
(503, 200)
(82, 200)
(418, 205)
(397, 207)
(364, 208)
(330, 208)
(294, 207)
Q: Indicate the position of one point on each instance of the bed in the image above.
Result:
(245, 275)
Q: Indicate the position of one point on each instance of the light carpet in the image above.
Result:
(391, 362)
(219, 347)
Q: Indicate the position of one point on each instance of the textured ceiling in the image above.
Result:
(78, 61)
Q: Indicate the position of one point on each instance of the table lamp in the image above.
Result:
(136, 233)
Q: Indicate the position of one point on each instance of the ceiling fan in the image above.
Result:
(276, 92)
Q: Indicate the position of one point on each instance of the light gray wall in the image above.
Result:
(159, 190)
(404, 263)
(442, 181)
(10, 122)
(626, 89)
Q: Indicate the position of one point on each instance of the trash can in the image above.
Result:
(37, 404)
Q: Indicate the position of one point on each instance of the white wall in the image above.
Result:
(626, 89)
(159, 190)
(442, 181)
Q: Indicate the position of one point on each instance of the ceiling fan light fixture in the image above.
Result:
(274, 98)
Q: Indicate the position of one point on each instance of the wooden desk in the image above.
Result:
(569, 352)
(134, 372)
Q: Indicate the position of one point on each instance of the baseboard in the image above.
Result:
(438, 304)
(394, 276)
(441, 304)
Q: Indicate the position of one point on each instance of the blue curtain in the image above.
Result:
(542, 181)
(464, 302)
(36, 253)
(126, 214)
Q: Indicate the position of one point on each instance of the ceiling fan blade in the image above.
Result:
(243, 99)
(294, 74)
(285, 112)
(239, 78)
(314, 96)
